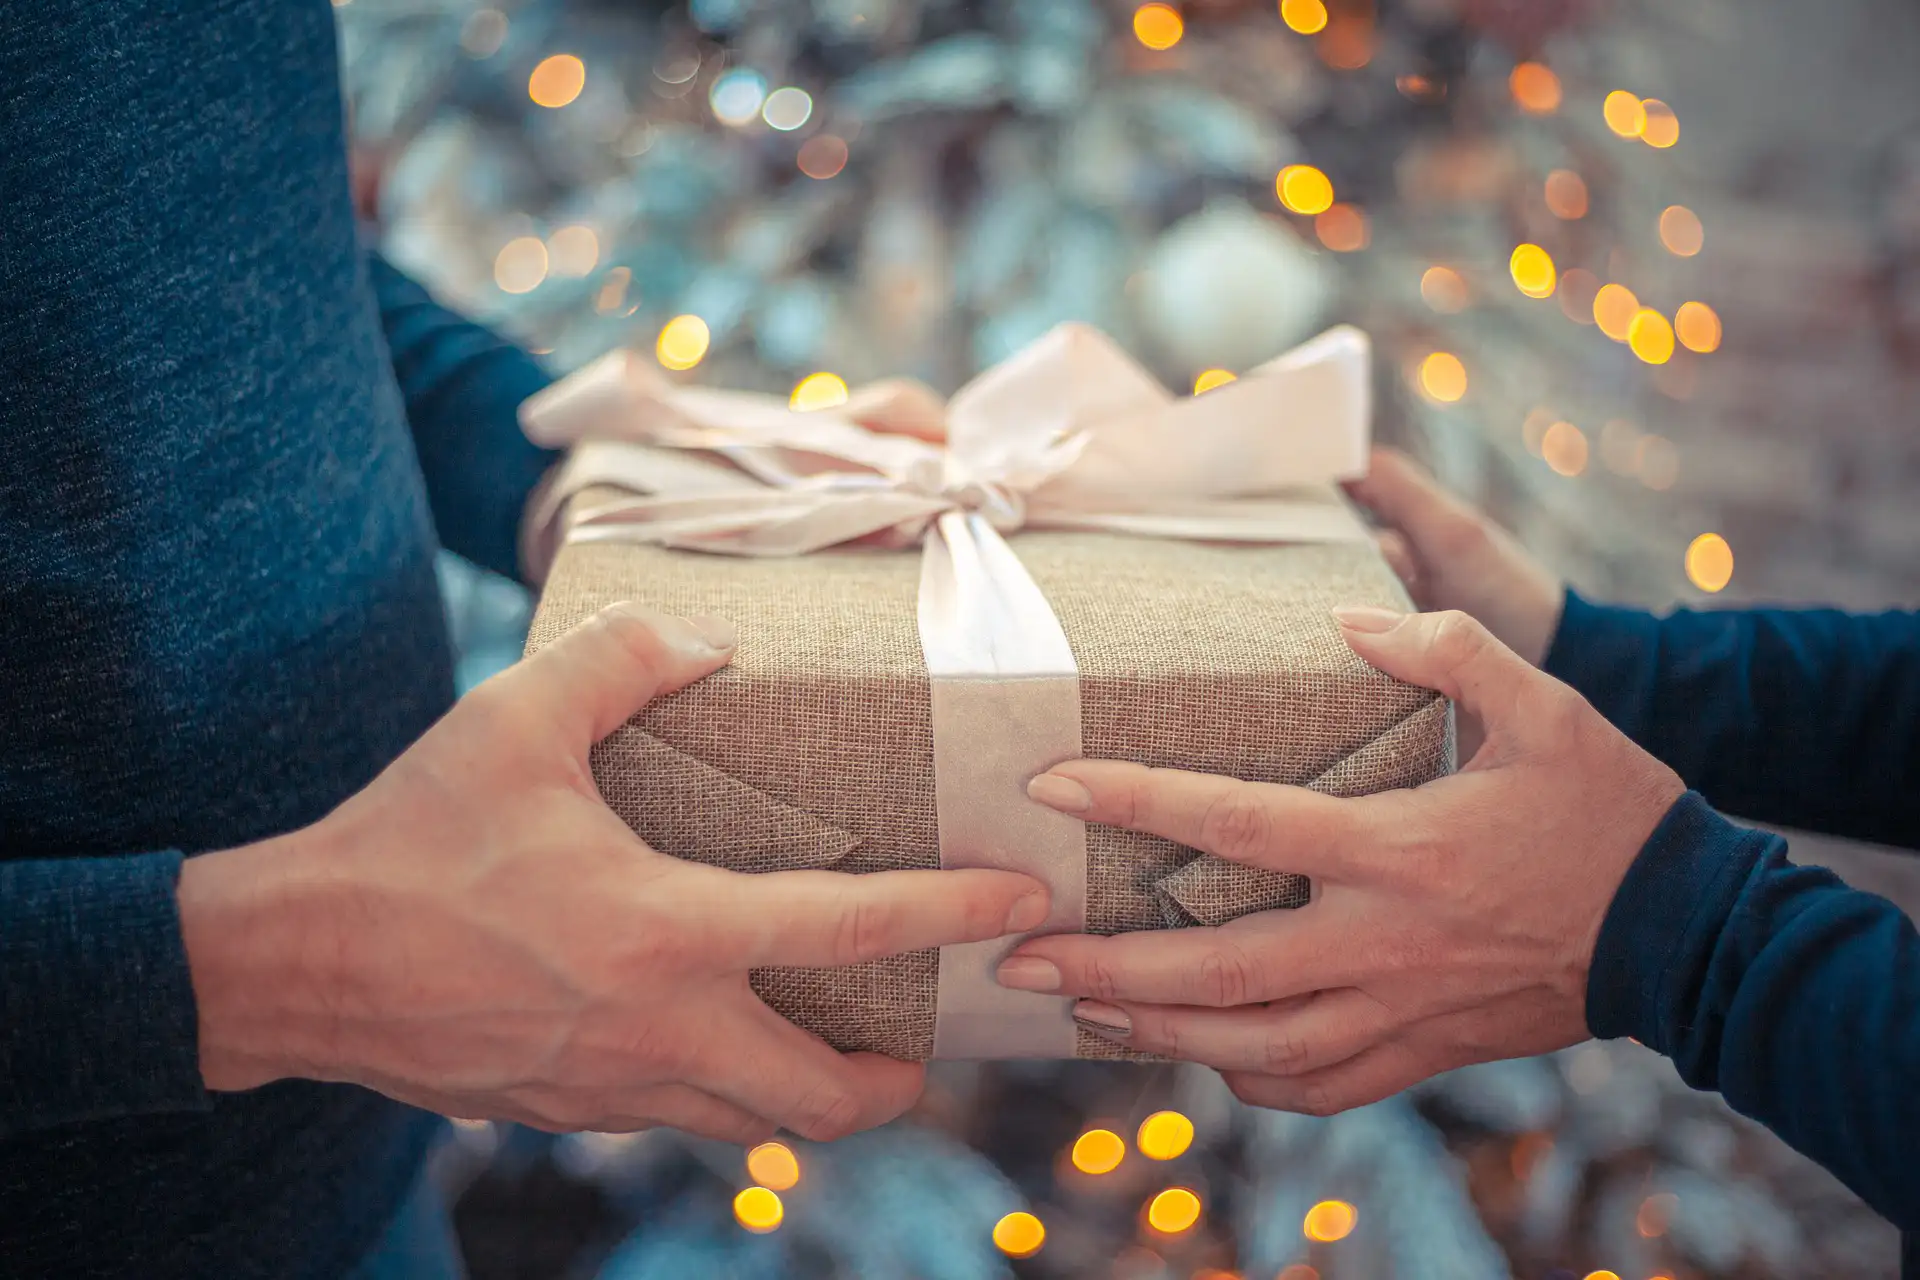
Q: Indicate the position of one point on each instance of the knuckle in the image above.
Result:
(1102, 981)
(630, 635)
(1282, 1054)
(1236, 825)
(1227, 976)
(863, 931)
(1318, 1099)
(1457, 638)
(829, 1112)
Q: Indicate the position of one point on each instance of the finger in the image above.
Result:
(1285, 1038)
(1449, 652)
(1367, 1077)
(759, 1061)
(899, 406)
(1247, 962)
(822, 919)
(1281, 828)
(596, 676)
(1398, 554)
(1404, 495)
(691, 1110)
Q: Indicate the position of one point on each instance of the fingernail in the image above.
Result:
(1103, 1019)
(1028, 911)
(717, 632)
(1060, 793)
(1366, 618)
(1027, 973)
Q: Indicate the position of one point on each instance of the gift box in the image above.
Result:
(1092, 567)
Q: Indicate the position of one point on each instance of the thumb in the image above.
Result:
(1405, 496)
(1449, 652)
(592, 679)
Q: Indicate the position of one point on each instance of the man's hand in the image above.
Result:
(1452, 557)
(478, 934)
(1451, 924)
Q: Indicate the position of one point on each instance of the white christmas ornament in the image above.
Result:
(1229, 287)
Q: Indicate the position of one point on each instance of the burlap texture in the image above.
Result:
(814, 748)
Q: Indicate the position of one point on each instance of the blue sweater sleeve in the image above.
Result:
(99, 1019)
(1796, 997)
(1806, 718)
(463, 386)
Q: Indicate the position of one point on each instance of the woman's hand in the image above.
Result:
(1452, 557)
(1451, 924)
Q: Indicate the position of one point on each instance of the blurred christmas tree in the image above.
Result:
(794, 196)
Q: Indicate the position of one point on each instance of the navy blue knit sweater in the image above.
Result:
(218, 515)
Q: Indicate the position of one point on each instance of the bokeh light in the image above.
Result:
(1710, 562)
(683, 342)
(574, 251)
(774, 1166)
(758, 1210)
(1578, 288)
(1655, 1214)
(1625, 114)
(611, 297)
(1662, 128)
(1304, 189)
(1681, 232)
(1099, 1150)
(1566, 195)
(1298, 1271)
(484, 31)
(1342, 228)
(1207, 379)
(1533, 271)
(520, 265)
(1347, 43)
(1158, 26)
(737, 96)
(1614, 308)
(1658, 462)
(1564, 448)
(823, 156)
(1164, 1135)
(787, 109)
(1445, 290)
(1697, 326)
(1330, 1220)
(1173, 1211)
(1603, 1275)
(1535, 87)
(1650, 336)
(1443, 378)
(1019, 1235)
(818, 391)
(1308, 17)
(557, 81)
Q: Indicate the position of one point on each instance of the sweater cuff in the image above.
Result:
(1659, 932)
(100, 1015)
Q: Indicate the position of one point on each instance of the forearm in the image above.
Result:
(1803, 718)
(1794, 996)
(463, 386)
(99, 1017)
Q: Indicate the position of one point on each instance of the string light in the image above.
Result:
(1614, 308)
(520, 265)
(1308, 17)
(557, 81)
(1330, 1220)
(1101, 1150)
(758, 1210)
(1164, 1135)
(822, 156)
(1444, 289)
(1536, 88)
(575, 251)
(1173, 1211)
(774, 1166)
(1019, 1235)
(1304, 189)
(1443, 378)
(1564, 448)
(683, 342)
(818, 391)
(1625, 114)
(1662, 128)
(1650, 336)
(1205, 381)
(1681, 232)
(1158, 26)
(1566, 195)
(1578, 288)
(1533, 271)
(1697, 326)
(1343, 228)
(1709, 563)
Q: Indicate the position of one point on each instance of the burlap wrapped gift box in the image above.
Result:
(815, 749)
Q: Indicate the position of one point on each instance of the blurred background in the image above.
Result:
(1644, 280)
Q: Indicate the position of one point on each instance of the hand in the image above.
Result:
(1450, 924)
(476, 933)
(1452, 557)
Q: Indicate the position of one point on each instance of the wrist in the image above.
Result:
(255, 932)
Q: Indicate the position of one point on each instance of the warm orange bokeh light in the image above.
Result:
(1330, 1220)
(1346, 45)
(1681, 232)
(1578, 288)
(1019, 1235)
(1650, 336)
(1308, 17)
(1625, 114)
(758, 1210)
(1158, 26)
(1343, 228)
(1533, 271)
(1207, 379)
(774, 1166)
(1697, 326)
(1710, 562)
(1445, 290)
(1662, 128)
(1535, 87)
(1564, 447)
(818, 391)
(557, 81)
(822, 156)
(1304, 189)
(683, 342)
(1174, 1210)
(1164, 1135)
(1443, 378)
(1099, 1150)
(1614, 308)
(1566, 195)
